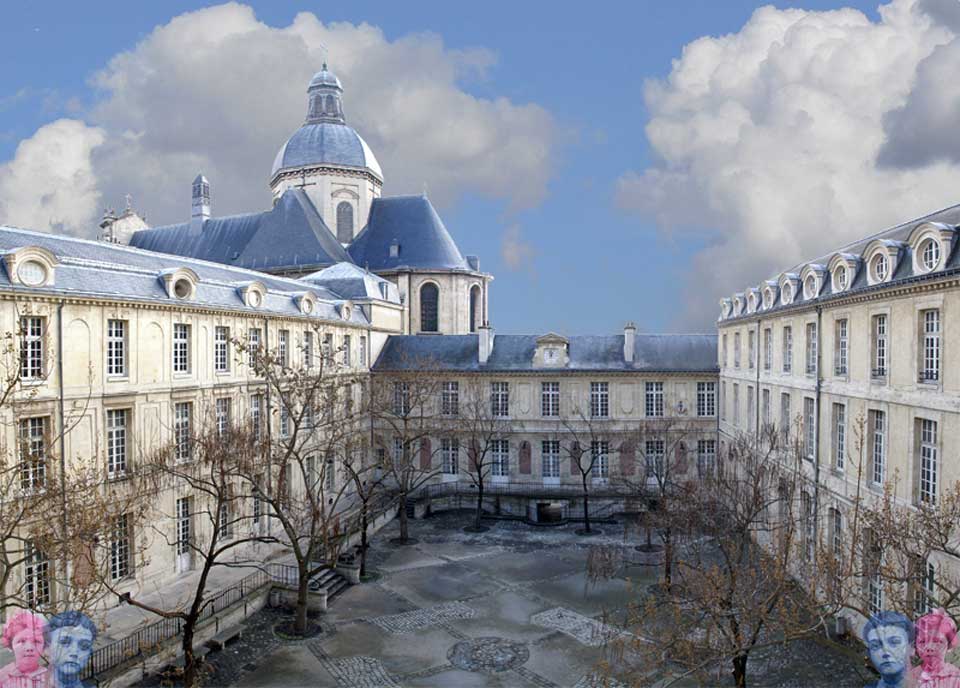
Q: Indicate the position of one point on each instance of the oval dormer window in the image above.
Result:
(881, 267)
(307, 306)
(32, 273)
(810, 287)
(841, 278)
(182, 288)
(786, 295)
(930, 254)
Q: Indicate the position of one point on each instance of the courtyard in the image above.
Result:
(512, 606)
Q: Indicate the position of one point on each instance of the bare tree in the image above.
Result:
(589, 448)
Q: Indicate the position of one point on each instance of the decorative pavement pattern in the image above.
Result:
(488, 655)
(597, 681)
(424, 618)
(581, 628)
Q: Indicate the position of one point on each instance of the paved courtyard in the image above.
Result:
(509, 607)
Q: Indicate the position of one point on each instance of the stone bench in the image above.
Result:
(225, 637)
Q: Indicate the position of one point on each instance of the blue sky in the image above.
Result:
(593, 263)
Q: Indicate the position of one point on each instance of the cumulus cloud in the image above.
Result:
(218, 90)
(767, 142)
(516, 252)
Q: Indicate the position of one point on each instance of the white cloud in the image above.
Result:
(767, 142)
(218, 90)
(516, 253)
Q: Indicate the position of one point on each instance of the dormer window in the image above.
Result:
(395, 250)
(305, 302)
(30, 266)
(346, 310)
(180, 283)
(182, 288)
(880, 267)
(810, 287)
(840, 278)
(930, 254)
(32, 273)
(786, 294)
(931, 242)
(252, 294)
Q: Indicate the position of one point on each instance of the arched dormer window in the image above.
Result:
(180, 283)
(770, 294)
(31, 266)
(752, 301)
(429, 307)
(475, 307)
(931, 243)
(881, 259)
(344, 222)
(811, 277)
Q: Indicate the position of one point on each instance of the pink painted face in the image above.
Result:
(27, 648)
(931, 645)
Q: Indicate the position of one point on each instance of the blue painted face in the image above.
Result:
(889, 648)
(70, 648)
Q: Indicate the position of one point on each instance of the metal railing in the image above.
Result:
(525, 489)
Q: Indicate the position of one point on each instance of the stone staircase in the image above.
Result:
(333, 582)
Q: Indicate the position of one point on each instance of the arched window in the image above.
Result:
(429, 301)
(474, 308)
(331, 106)
(344, 222)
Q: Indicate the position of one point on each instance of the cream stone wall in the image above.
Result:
(454, 304)
(328, 186)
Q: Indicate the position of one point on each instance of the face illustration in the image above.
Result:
(70, 648)
(931, 645)
(889, 647)
(27, 646)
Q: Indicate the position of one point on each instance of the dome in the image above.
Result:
(324, 78)
(326, 143)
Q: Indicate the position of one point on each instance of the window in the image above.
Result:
(283, 348)
(363, 351)
(398, 445)
(223, 522)
(873, 555)
(706, 457)
(184, 536)
(599, 454)
(500, 399)
(879, 331)
(785, 419)
(751, 348)
(449, 455)
(501, 458)
(223, 414)
(767, 349)
(121, 550)
(787, 349)
(256, 415)
(809, 429)
(599, 400)
(930, 255)
(284, 420)
(765, 408)
(751, 409)
(930, 339)
(926, 588)
(736, 404)
(723, 401)
(878, 451)
(33, 452)
(654, 455)
(308, 349)
(116, 348)
(653, 403)
(839, 436)
(927, 492)
(330, 474)
(401, 398)
(183, 447)
(836, 532)
(706, 398)
(326, 347)
(806, 510)
(811, 348)
(840, 352)
(429, 307)
(550, 457)
(36, 576)
(344, 213)
(31, 348)
(550, 399)
(736, 350)
(474, 308)
(181, 348)
(881, 267)
(724, 360)
(253, 346)
(450, 398)
(117, 442)
(221, 349)
(346, 350)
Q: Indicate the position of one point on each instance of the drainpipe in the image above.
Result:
(756, 392)
(816, 427)
(63, 449)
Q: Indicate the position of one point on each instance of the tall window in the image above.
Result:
(253, 346)
(723, 401)
(223, 522)
(724, 359)
(767, 349)
(765, 408)
(839, 436)
(283, 348)
(121, 549)
(308, 349)
(363, 351)
(787, 349)
(500, 399)
(653, 402)
(751, 349)
(33, 452)
(181, 348)
(878, 448)
(116, 348)
(549, 399)
(401, 398)
(184, 535)
(599, 400)
(809, 428)
(785, 418)
(326, 348)
(927, 492)
(116, 442)
(344, 222)
(256, 415)
(806, 510)
(751, 409)
(840, 353)
(706, 457)
(474, 308)
(346, 351)
(811, 348)
(221, 349)
(879, 346)
(550, 457)
(706, 398)
(926, 588)
(500, 455)
(31, 348)
(450, 398)
(736, 404)
(429, 307)
(223, 414)
(600, 455)
(330, 472)
(836, 531)
(873, 555)
(930, 361)
(36, 576)
(183, 447)
(736, 349)
(654, 456)
(449, 455)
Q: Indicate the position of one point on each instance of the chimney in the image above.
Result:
(629, 341)
(200, 206)
(486, 342)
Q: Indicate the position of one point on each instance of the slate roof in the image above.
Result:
(412, 223)
(99, 269)
(514, 353)
(326, 143)
(290, 234)
(352, 282)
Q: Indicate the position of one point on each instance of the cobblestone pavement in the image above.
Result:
(508, 608)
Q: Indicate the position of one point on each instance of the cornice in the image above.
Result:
(298, 172)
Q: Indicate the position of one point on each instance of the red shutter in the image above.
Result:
(680, 467)
(574, 455)
(525, 458)
(425, 454)
(627, 459)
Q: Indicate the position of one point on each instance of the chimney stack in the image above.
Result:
(200, 207)
(629, 341)
(486, 341)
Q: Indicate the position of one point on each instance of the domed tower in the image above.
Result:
(330, 161)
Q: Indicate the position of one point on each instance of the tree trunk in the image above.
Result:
(404, 532)
(363, 541)
(479, 503)
(303, 581)
(189, 661)
(740, 671)
(667, 557)
(586, 506)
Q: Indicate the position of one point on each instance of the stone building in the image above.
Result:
(853, 354)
